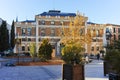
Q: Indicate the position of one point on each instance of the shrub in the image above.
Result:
(45, 50)
(113, 57)
(71, 54)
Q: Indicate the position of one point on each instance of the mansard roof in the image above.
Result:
(90, 23)
(56, 13)
(28, 21)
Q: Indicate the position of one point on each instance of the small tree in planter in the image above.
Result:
(73, 68)
(45, 50)
(74, 39)
(71, 53)
(112, 63)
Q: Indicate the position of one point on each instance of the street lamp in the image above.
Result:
(18, 42)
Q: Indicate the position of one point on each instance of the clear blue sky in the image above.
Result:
(98, 11)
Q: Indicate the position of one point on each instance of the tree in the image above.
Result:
(45, 50)
(76, 32)
(32, 50)
(4, 37)
(71, 53)
(74, 37)
(12, 36)
(113, 57)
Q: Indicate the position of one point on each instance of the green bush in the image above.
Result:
(113, 58)
(45, 50)
(72, 54)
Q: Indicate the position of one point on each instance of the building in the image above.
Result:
(26, 31)
(112, 33)
(49, 25)
(46, 25)
(97, 32)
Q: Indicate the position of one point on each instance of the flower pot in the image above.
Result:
(73, 72)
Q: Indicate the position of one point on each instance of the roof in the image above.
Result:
(90, 23)
(112, 24)
(28, 21)
(56, 13)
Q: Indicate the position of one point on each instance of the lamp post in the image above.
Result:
(18, 42)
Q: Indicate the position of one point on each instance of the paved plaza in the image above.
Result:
(93, 71)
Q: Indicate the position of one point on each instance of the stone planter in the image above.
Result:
(113, 76)
(73, 72)
(105, 65)
(107, 68)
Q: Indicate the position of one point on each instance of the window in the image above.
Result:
(28, 48)
(52, 32)
(114, 37)
(23, 39)
(58, 16)
(39, 39)
(118, 30)
(81, 31)
(29, 31)
(52, 22)
(23, 31)
(23, 48)
(42, 22)
(114, 30)
(97, 48)
(97, 33)
(118, 37)
(92, 49)
(29, 39)
(43, 32)
(66, 17)
(107, 30)
(61, 23)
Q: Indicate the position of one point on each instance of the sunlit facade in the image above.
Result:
(49, 25)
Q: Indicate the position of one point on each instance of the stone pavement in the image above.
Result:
(93, 71)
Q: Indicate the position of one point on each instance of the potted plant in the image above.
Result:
(112, 64)
(73, 69)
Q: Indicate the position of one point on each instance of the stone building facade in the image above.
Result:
(49, 24)
(46, 25)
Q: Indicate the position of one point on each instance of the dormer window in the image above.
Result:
(49, 16)
(66, 17)
(58, 16)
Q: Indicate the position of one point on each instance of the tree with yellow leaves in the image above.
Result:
(32, 50)
(75, 36)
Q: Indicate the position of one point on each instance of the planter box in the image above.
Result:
(105, 65)
(73, 72)
(113, 76)
(107, 68)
